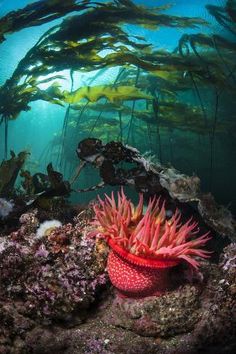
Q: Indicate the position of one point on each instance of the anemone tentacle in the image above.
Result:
(150, 235)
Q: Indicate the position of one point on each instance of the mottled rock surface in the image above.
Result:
(164, 316)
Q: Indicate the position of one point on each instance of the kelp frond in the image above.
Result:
(37, 13)
(113, 94)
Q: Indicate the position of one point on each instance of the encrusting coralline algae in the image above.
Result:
(54, 274)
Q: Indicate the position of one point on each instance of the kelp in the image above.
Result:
(109, 15)
(171, 72)
(205, 63)
(225, 16)
(78, 56)
(79, 44)
(98, 107)
(211, 50)
(220, 76)
(27, 182)
(171, 115)
(38, 13)
(215, 54)
(204, 40)
(130, 126)
(113, 94)
(230, 8)
(75, 45)
(114, 85)
(189, 118)
(9, 170)
(63, 46)
(57, 184)
(16, 98)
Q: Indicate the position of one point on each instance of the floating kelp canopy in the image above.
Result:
(74, 45)
(225, 16)
(38, 13)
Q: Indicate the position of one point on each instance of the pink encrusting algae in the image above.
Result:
(145, 246)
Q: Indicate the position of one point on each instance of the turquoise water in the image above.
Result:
(205, 149)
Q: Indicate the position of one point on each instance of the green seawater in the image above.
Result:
(189, 121)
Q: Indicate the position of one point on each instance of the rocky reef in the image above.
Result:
(195, 318)
(55, 293)
(55, 296)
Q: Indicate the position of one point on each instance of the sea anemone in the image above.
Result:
(46, 227)
(145, 247)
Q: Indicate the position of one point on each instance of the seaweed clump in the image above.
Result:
(9, 171)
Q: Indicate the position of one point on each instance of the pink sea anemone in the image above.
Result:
(145, 246)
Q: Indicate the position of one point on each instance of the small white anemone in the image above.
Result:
(47, 226)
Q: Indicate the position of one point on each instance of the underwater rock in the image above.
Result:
(181, 187)
(29, 220)
(193, 317)
(217, 326)
(228, 265)
(210, 322)
(54, 275)
(91, 337)
(13, 327)
(162, 316)
(217, 216)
